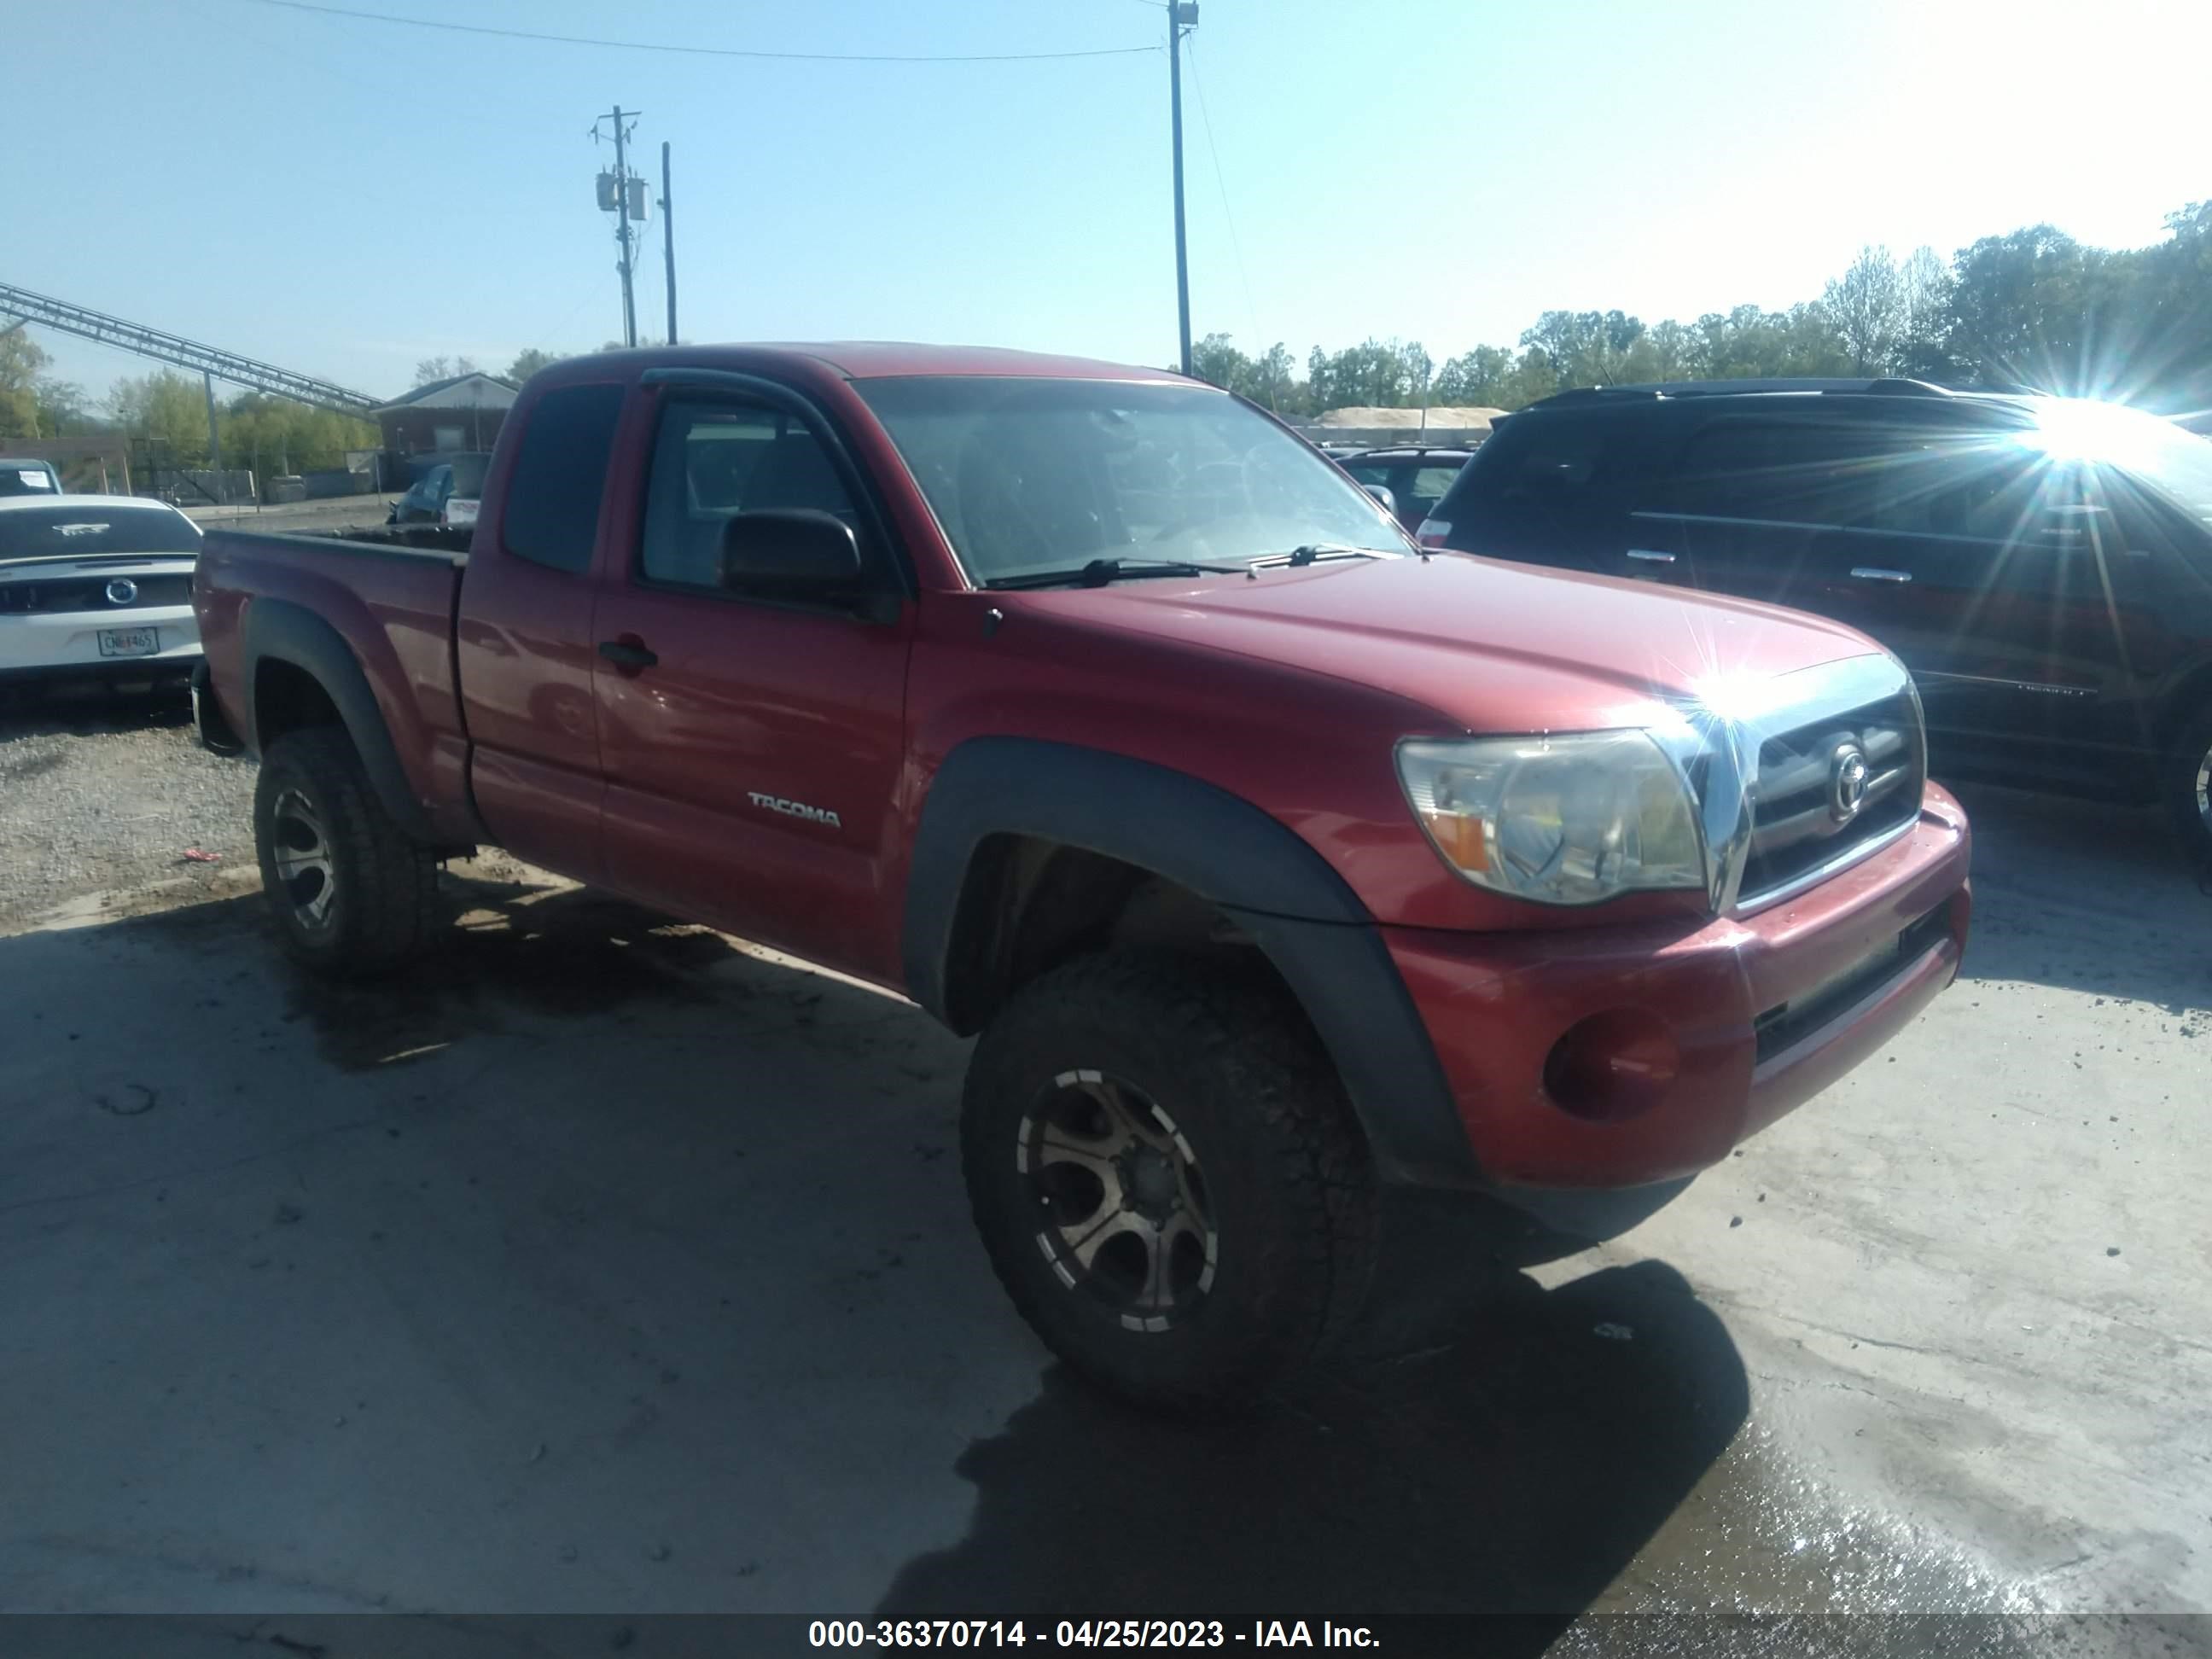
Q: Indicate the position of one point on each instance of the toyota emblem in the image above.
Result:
(1847, 783)
(122, 591)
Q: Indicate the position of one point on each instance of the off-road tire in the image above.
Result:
(2178, 786)
(382, 887)
(1286, 1177)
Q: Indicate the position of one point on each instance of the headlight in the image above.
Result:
(1567, 819)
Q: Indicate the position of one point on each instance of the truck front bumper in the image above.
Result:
(1597, 1057)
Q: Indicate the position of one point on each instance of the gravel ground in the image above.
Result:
(101, 792)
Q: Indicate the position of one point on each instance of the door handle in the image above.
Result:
(627, 653)
(1650, 557)
(1874, 572)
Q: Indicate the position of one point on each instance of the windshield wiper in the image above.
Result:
(1099, 572)
(1315, 552)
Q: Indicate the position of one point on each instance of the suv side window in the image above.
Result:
(1428, 486)
(552, 502)
(713, 460)
(1798, 472)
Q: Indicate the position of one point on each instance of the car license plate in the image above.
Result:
(130, 641)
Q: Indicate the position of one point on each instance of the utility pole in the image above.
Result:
(668, 238)
(214, 441)
(1181, 14)
(615, 193)
(621, 231)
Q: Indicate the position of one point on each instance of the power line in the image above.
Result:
(703, 51)
(1251, 310)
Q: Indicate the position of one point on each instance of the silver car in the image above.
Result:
(96, 585)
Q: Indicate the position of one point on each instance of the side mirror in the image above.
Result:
(790, 553)
(1382, 493)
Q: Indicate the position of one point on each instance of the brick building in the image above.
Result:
(446, 417)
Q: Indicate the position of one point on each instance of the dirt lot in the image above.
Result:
(609, 1266)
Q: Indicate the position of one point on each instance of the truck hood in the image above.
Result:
(1489, 645)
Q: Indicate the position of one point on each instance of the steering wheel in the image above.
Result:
(1239, 493)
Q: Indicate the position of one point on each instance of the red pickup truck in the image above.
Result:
(1273, 859)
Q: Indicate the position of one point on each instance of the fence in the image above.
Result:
(198, 486)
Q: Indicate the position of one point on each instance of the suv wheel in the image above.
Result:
(1167, 1179)
(2188, 786)
(350, 893)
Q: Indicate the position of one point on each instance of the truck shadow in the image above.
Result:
(1486, 1447)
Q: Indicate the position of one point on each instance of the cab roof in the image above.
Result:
(871, 360)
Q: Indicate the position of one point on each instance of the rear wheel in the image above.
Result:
(2187, 786)
(349, 892)
(1168, 1178)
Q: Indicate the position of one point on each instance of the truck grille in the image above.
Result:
(90, 593)
(1799, 824)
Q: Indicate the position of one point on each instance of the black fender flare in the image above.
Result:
(276, 630)
(1309, 924)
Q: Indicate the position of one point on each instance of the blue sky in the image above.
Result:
(344, 198)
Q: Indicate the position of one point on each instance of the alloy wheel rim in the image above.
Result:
(1122, 1202)
(2204, 789)
(302, 857)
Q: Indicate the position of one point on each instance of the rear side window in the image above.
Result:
(1428, 485)
(1791, 472)
(1545, 489)
(552, 506)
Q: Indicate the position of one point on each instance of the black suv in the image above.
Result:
(2042, 565)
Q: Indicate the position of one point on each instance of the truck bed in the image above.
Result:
(385, 596)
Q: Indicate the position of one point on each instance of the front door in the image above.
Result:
(751, 749)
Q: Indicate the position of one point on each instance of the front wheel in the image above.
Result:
(1167, 1179)
(2187, 786)
(350, 894)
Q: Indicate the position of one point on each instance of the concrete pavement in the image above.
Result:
(615, 1266)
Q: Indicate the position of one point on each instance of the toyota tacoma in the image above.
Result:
(1272, 859)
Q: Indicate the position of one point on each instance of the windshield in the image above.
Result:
(2174, 462)
(1029, 476)
(66, 531)
(19, 480)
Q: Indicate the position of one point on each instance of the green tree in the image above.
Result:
(1584, 348)
(166, 408)
(275, 435)
(1275, 382)
(433, 369)
(527, 363)
(1217, 361)
(64, 410)
(2037, 307)
(2168, 340)
(22, 361)
(1867, 304)
(1373, 374)
(1478, 378)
